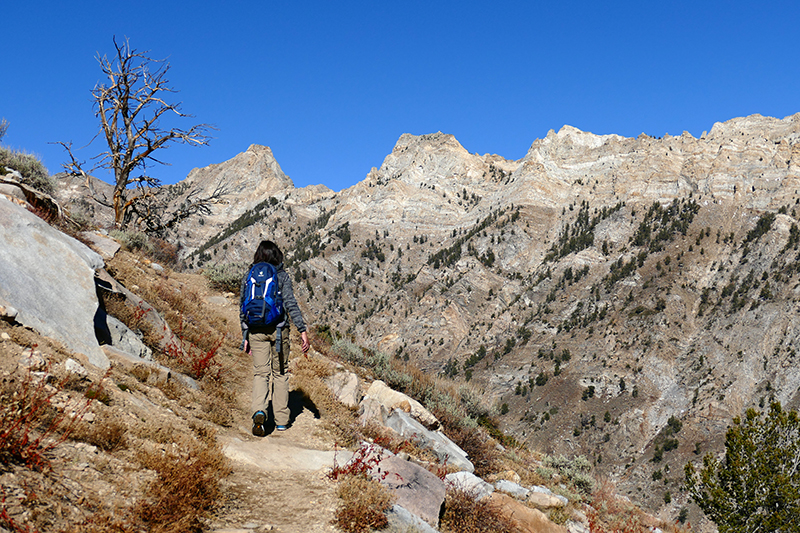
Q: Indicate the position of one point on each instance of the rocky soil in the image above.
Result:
(276, 483)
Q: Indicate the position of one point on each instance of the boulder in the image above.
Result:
(470, 483)
(446, 450)
(371, 410)
(525, 519)
(512, 489)
(346, 387)
(48, 277)
(123, 338)
(414, 488)
(544, 498)
(543, 501)
(401, 519)
(391, 399)
(102, 244)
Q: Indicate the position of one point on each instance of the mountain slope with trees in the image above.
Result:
(620, 298)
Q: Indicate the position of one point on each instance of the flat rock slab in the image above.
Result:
(102, 244)
(270, 454)
(414, 488)
(48, 277)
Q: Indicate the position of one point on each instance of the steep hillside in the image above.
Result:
(617, 297)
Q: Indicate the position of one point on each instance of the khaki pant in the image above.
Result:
(271, 373)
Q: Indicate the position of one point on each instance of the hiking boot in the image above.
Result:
(280, 428)
(258, 424)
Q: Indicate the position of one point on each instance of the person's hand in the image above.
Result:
(245, 347)
(305, 344)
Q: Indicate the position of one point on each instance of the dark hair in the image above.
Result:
(268, 252)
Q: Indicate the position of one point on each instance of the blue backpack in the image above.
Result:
(263, 303)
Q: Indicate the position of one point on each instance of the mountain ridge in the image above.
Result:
(598, 287)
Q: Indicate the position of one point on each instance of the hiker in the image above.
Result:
(269, 343)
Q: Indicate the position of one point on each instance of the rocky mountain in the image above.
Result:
(620, 298)
(123, 415)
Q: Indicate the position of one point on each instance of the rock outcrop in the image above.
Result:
(49, 278)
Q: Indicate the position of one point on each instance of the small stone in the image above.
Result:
(74, 367)
(5, 336)
(33, 360)
(8, 312)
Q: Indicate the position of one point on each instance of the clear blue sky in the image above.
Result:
(330, 86)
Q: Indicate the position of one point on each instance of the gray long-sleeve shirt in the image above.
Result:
(287, 293)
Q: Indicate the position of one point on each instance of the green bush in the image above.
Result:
(577, 470)
(756, 486)
(131, 240)
(227, 277)
(29, 166)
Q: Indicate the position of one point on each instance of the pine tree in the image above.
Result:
(756, 486)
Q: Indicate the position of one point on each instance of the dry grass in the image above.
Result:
(465, 514)
(362, 505)
(30, 424)
(219, 403)
(106, 432)
(186, 490)
(307, 376)
(182, 307)
(141, 372)
(481, 449)
(156, 431)
(172, 388)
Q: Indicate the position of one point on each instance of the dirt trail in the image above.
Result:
(278, 482)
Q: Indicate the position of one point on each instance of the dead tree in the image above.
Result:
(131, 106)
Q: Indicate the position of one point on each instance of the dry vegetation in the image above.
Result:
(466, 514)
(165, 477)
(474, 428)
(363, 503)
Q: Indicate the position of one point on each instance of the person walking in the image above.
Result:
(269, 345)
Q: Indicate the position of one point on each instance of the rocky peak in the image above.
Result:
(254, 172)
(431, 141)
(757, 126)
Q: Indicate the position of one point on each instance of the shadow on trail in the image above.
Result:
(297, 403)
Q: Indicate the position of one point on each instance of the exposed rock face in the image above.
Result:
(49, 278)
(247, 180)
(74, 194)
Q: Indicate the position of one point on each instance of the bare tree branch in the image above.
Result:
(75, 168)
(130, 107)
